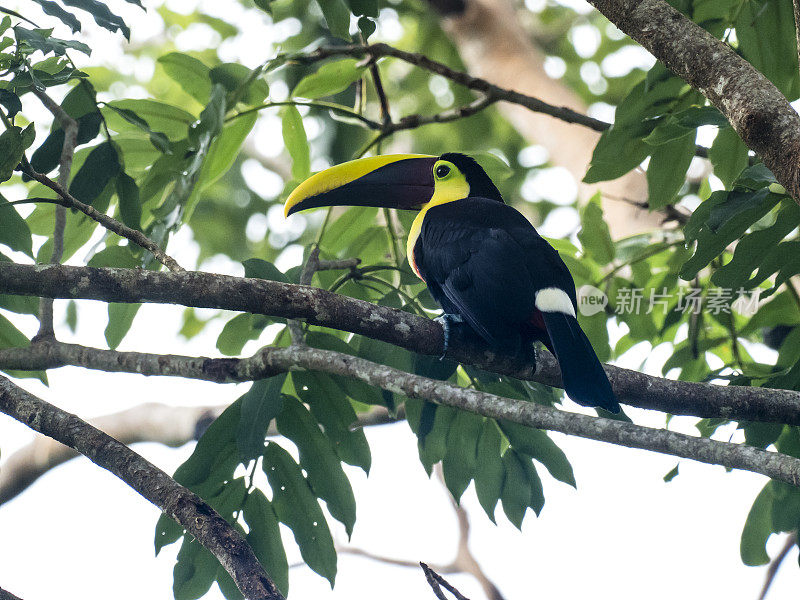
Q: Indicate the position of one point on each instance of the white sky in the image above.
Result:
(81, 533)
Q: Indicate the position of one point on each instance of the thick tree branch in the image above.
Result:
(135, 236)
(185, 507)
(320, 307)
(759, 113)
(4, 595)
(270, 361)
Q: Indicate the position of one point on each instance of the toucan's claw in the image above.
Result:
(446, 320)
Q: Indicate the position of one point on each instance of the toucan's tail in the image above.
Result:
(585, 381)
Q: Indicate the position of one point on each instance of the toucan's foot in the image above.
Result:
(447, 320)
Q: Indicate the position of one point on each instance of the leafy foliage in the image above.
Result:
(179, 158)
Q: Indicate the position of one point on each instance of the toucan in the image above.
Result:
(482, 260)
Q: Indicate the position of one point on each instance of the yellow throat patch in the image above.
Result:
(449, 186)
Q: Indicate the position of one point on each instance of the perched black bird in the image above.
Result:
(483, 262)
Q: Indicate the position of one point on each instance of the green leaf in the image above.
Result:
(294, 137)
(489, 473)
(233, 75)
(757, 529)
(262, 403)
(158, 139)
(297, 507)
(11, 151)
(188, 72)
(766, 33)
(114, 256)
(225, 149)
(367, 27)
(594, 234)
(265, 539)
(460, 459)
(130, 209)
(348, 226)
(337, 16)
(168, 531)
(335, 413)
(194, 572)
(53, 9)
(120, 319)
(538, 445)
(11, 102)
(728, 155)
(673, 473)
(47, 156)
(236, 333)
(622, 146)
(40, 39)
(720, 220)
(171, 120)
(14, 232)
(363, 7)
(263, 269)
(666, 171)
(97, 170)
(102, 15)
(331, 78)
(433, 447)
(522, 488)
(72, 315)
(213, 450)
(318, 459)
(10, 336)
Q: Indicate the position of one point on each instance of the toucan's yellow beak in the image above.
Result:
(393, 181)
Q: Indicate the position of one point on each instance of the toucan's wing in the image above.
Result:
(480, 268)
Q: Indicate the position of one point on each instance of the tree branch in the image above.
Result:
(756, 109)
(135, 236)
(327, 309)
(70, 127)
(491, 93)
(772, 570)
(4, 595)
(185, 507)
(437, 582)
(270, 361)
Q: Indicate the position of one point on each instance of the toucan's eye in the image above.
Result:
(442, 171)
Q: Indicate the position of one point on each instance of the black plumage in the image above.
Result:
(484, 261)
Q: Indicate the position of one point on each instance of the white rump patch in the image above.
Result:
(553, 299)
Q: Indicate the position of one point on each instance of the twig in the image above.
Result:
(70, 127)
(436, 582)
(314, 264)
(185, 507)
(437, 590)
(135, 236)
(270, 361)
(491, 93)
(772, 570)
(327, 309)
(386, 117)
